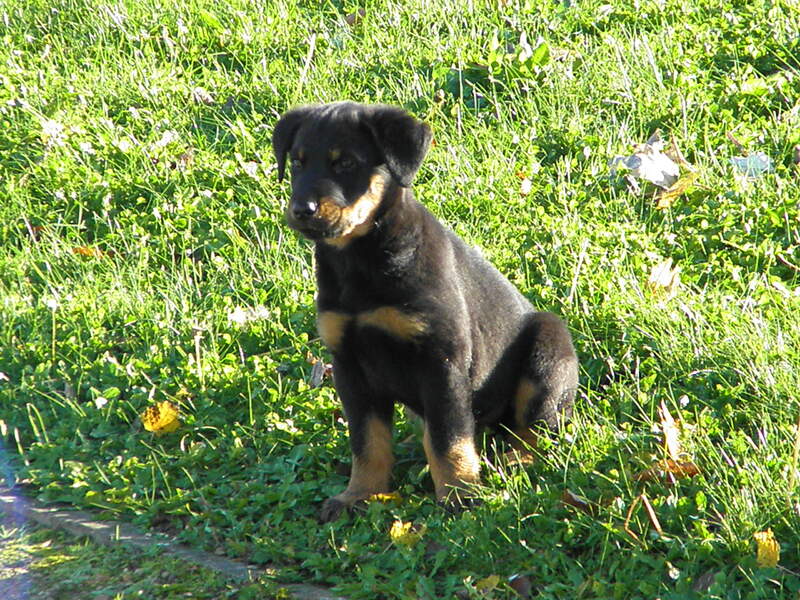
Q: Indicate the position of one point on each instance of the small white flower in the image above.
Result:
(51, 303)
(251, 169)
(86, 147)
(53, 132)
(167, 138)
(260, 312)
(202, 96)
(123, 145)
(100, 402)
(238, 316)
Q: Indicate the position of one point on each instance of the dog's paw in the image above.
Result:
(332, 509)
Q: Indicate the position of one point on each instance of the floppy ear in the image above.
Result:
(283, 135)
(401, 138)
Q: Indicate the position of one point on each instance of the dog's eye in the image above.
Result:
(344, 164)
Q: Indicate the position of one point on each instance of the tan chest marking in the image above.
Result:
(331, 325)
(403, 326)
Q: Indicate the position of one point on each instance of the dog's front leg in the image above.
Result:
(370, 424)
(449, 437)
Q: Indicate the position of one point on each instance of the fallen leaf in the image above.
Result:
(672, 433)
(649, 162)
(753, 165)
(406, 534)
(90, 252)
(677, 156)
(676, 190)
(161, 418)
(320, 370)
(669, 468)
(768, 551)
(571, 499)
(663, 277)
(487, 584)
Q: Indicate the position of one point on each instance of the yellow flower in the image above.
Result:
(386, 498)
(405, 534)
(161, 418)
(768, 551)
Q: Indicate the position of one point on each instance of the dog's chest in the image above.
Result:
(381, 342)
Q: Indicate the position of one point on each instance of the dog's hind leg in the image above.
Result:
(546, 389)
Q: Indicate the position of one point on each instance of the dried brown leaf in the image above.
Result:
(676, 190)
(572, 499)
(669, 469)
(320, 370)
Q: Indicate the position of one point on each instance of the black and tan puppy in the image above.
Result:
(409, 311)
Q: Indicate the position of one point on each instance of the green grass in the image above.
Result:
(107, 143)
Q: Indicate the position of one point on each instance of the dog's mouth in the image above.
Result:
(317, 227)
(339, 224)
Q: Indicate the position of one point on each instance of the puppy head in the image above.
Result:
(342, 158)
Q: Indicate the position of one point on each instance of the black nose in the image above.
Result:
(304, 210)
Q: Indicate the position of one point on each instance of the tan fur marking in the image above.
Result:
(458, 468)
(356, 219)
(393, 321)
(523, 439)
(331, 326)
(301, 154)
(334, 154)
(372, 471)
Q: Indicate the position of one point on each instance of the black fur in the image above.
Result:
(410, 312)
